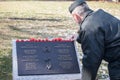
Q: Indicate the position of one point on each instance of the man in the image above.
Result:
(99, 36)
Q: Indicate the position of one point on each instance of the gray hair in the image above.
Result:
(81, 9)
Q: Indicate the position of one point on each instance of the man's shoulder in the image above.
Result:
(103, 15)
(96, 16)
(99, 14)
(94, 20)
(100, 11)
(99, 17)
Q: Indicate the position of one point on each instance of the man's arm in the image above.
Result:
(75, 36)
(92, 42)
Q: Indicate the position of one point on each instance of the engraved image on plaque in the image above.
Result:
(46, 49)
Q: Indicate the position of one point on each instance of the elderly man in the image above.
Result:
(99, 36)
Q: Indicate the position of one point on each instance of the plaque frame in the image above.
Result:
(75, 76)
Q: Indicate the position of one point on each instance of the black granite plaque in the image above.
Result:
(46, 58)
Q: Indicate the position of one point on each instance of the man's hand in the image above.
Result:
(74, 37)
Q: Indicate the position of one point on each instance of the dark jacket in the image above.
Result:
(100, 39)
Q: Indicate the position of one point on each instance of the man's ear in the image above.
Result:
(77, 18)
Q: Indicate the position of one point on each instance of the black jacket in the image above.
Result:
(100, 39)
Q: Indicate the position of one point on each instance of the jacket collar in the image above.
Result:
(86, 14)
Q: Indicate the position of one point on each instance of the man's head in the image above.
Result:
(77, 9)
(75, 4)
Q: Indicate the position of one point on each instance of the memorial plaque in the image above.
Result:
(45, 58)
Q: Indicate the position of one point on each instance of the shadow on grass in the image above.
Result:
(29, 32)
(22, 30)
(5, 65)
(9, 37)
(36, 19)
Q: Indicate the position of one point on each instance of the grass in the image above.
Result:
(38, 19)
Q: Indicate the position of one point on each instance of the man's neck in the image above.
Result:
(86, 14)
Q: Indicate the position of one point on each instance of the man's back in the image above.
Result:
(109, 27)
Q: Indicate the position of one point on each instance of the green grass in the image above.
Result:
(38, 19)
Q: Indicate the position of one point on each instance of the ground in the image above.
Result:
(38, 19)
